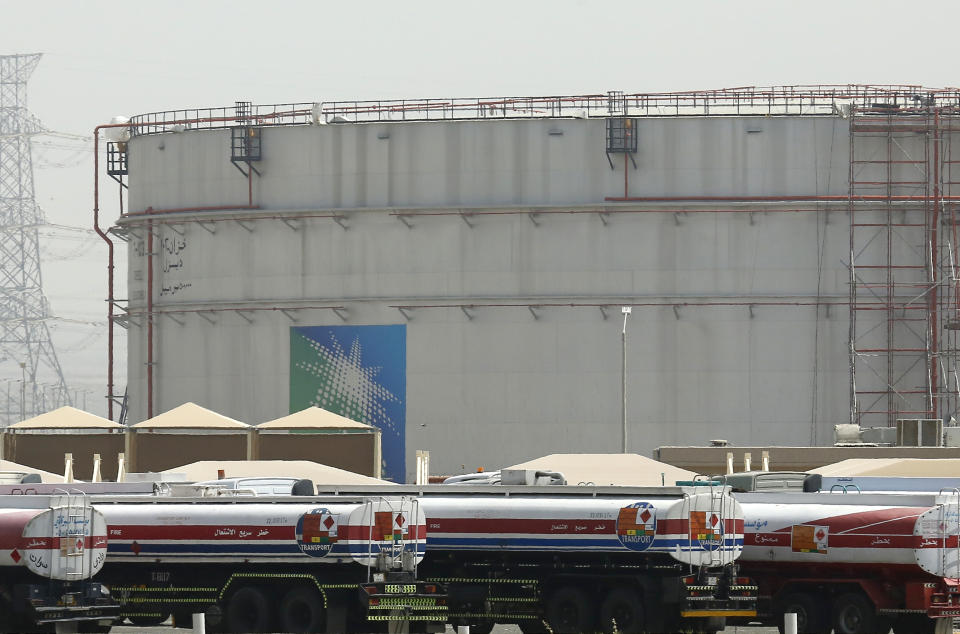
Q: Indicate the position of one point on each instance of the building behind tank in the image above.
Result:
(452, 272)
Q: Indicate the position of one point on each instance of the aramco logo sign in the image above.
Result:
(637, 525)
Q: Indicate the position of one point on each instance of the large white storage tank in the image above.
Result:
(457, 282)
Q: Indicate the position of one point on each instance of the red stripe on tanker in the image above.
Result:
(693, 529)
(332, 532)
(850, 529)
(63, 543)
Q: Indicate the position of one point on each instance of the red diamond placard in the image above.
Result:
(713, 520)
(328, 522)
(15, 556)
(820, 534)
(645, 516)
(400, 520)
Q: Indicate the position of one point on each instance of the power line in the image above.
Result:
(27, 350)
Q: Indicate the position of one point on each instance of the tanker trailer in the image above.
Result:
(585, 558)
(268, 564)
(50, 547)
(856, 563)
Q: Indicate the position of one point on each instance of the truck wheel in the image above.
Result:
(302, 611)
(248, 611)
(853, 613)
(811, 618)
(622, 611)
(569, 611)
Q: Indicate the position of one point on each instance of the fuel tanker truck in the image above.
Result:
(584, 558)
(271, 564)
(50, 547)
(856, 563)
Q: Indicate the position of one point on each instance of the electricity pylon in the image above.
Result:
(28, 361)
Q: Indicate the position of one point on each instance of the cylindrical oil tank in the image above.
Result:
(457, 283)
(42, 441)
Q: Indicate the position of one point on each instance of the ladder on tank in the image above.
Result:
(72, 523)
(721, 506)
(948, 525)
(398, 555)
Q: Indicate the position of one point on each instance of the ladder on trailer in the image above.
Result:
(948, 524)
(72, 523)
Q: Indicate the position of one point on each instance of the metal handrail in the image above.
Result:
(944, 508)
(767, 101)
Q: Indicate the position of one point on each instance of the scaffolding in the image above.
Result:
(904, 301)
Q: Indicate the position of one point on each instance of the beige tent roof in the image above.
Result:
(313, 417)
(609, 469)
(192, 416)
(908, 467)
(66, 418)
(45, 476)
(319, 473)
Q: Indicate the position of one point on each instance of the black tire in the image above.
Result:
(569, 611)
(248, 611)
(622, 611)
(301, 610)
(853, 613)
(812, 618)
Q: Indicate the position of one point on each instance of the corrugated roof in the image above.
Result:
(319, 473)
(906, 467)
(604, 469)
(191, 416)
(66, 418)
(313, 417)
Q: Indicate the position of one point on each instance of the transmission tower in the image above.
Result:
(32, 379)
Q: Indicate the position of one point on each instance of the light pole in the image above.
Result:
(623, 374)
(23, 390)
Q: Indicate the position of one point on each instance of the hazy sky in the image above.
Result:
(104, 58)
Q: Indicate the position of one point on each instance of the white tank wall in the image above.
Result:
(490, 163)
(502, 386)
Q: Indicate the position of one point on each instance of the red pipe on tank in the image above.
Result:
(106, 238)
(765, 199)
(103, 235)
(149, 319)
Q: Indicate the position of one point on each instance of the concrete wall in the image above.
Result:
(498, 384)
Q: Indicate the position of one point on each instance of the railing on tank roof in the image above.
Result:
(782, 100)
(226, 117)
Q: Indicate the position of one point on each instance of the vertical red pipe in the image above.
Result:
(149, 319)
(625, 173)
(100, 232)
(934, 339)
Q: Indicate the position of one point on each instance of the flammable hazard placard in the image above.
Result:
(706, 528)
(809, 539)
